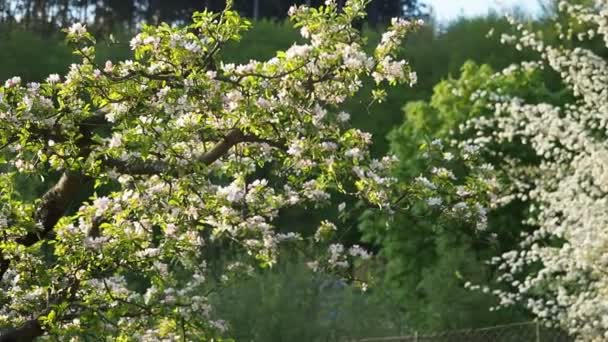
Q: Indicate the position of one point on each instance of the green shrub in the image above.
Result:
(290, 303)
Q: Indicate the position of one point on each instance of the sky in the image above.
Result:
(446, 10)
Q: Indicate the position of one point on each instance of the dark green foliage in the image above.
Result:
(428, 262)
(30, 56)
(34, 57)
(262, 41)
(434, 56)
(293, 304)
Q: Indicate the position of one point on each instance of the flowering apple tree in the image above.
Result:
(560, 271)
(180, 155)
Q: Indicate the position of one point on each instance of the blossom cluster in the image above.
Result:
(450, 197)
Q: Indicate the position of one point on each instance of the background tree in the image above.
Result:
(108, 15)
(558, 270)
(428, 262)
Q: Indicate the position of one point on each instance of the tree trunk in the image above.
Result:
(28, 332)
(256, 9)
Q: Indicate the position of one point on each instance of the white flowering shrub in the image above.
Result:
(559, 271)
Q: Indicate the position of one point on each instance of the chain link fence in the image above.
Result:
(517, 332)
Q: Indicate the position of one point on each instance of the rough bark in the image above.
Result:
(231, 139)
(26, 333)
(54, 204)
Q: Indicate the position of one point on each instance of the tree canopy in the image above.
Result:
(164, 175)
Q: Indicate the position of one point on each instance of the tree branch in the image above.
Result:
(52, 208)
(28, 332)
(234, 137)
(54, 204)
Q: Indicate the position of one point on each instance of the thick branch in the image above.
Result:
(53, 205)
(52, 208)
(233, 137)
(28, 332)
(55, 201)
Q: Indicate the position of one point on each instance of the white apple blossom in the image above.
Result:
(77, 29)
(425, 182)
(115, 141)
(434, 201)
(136, 41)
(53, 78)
(343, 117)
(12, 82)
(108, 67)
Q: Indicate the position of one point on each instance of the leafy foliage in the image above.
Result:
(186, 158)
(430, 261)
(293, 303)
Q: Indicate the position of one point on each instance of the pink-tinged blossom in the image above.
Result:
(12, 82)
(108, 67)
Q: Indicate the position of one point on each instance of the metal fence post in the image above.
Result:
(537, 331)
(416, 336)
